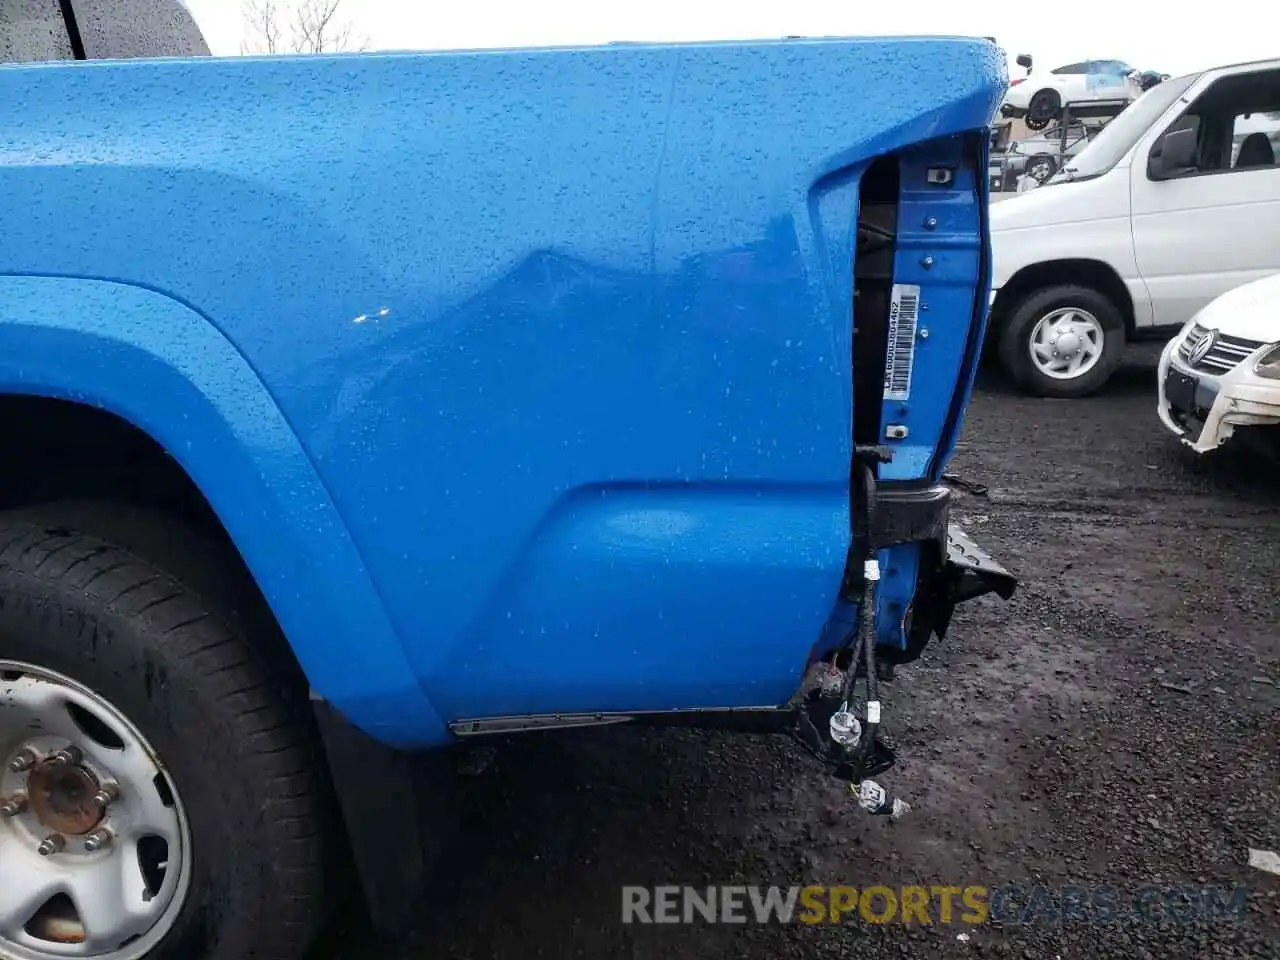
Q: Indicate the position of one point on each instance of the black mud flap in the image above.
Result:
(972, 572)
(383, 792)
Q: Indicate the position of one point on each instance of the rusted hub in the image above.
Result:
(62, 798)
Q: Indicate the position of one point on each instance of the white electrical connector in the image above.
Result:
(873, 711)
(874, 799)
(844, 727)
(871, 569)
(871, 796)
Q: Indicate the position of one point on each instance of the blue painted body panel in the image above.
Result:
(167, 370)
(954, 249)
(521, 379)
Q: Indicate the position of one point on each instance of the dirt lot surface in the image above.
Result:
(1117, 723)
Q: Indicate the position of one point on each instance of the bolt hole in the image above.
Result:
(161, 783)
(153, 861)
(93, 728)
(57, 921)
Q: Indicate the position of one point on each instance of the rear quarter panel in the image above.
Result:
(565, 334)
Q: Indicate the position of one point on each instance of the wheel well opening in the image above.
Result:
(69, 451)
(1087, 273)
(66, 453)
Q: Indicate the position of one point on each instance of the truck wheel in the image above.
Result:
(1062, 341)
(157, 798)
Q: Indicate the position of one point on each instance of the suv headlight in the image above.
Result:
(1268, 364)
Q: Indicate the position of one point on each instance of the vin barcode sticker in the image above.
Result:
(900, 346)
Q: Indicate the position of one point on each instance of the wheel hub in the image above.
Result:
(63, 798)
(1068, 343)
(94, 843)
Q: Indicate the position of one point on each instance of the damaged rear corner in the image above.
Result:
(922, 241)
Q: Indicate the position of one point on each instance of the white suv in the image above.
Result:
(1222, 370)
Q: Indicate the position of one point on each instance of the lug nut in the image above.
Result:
(107, 794)
(14, 805)
(68, 756)
(23, 762)
(98, 840)
(54, 843)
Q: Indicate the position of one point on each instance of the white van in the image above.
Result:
(1175, 201)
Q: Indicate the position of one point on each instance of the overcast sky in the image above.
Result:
(1150, 35)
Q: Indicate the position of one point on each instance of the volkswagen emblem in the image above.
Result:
(1202, 346)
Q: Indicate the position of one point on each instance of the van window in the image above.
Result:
(1110, 145)
(1254, 126)
(1233, 123)
(33, 30)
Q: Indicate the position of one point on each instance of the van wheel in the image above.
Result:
(1062, 341)
(157, 798)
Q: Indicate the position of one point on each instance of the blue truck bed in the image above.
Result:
(507, 390)
(524, 374)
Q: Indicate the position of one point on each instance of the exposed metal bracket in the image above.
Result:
(975, 571)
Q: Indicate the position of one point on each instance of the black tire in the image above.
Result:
(1043, 107)
(1041, 167)
(1021, 319)
(235, 749)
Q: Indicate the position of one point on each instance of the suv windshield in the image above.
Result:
(1114, 140)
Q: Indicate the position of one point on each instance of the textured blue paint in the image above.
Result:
(166, 369)
(564, 336)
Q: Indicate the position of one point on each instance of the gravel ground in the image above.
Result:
(1117, 723)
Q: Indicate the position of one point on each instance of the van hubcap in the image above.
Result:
(1067, 343)
(94, 841)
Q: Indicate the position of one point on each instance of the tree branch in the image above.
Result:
(263, 21)
(314, 26)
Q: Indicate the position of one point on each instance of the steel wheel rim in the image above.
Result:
(124, 895)
(1067, 343)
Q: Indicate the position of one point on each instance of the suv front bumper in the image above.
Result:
(1203, 410)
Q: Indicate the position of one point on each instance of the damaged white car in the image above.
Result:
(1222, 370)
